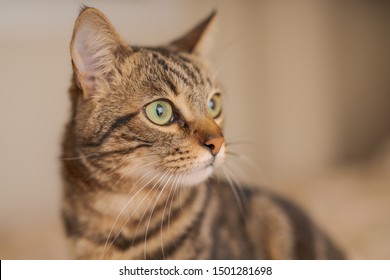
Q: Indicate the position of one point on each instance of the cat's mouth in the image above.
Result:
(184, 171)
(202, 171)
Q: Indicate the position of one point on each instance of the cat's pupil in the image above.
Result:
(212, 104)
(159, 110)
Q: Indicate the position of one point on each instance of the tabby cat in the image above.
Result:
(139, 151)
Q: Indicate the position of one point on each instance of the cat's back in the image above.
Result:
(253, 222)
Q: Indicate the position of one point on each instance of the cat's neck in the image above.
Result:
(139, 203)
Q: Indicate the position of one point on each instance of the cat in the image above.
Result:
(144, 138)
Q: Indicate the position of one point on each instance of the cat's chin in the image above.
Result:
(196, 177)
(184, 179)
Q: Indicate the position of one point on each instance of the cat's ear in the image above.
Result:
(197, 40)
(93, 47)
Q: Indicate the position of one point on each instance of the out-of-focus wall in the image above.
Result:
(306, 81)
(361, 44)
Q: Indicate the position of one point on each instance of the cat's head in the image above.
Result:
(148, 113)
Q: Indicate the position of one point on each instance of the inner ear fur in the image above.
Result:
(93, 47)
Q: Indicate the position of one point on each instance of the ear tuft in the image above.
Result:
(197, 40)
(93, 47)
(82, 8)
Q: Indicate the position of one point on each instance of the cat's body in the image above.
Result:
(144, 137)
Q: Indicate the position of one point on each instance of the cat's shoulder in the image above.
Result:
(279, 220)
(254, 194)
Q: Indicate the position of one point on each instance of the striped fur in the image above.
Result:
(137, 190)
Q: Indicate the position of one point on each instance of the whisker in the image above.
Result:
(239, 187)
(176, 186)
(239, 142)
(113, 170)
(154, 207)
(179, 182)
(166, 173)
(80, 157)
(242, 157)
(163, 214)
(234, 190)
(98, 154)
(117, 218)
(250, 164)
(123, 208)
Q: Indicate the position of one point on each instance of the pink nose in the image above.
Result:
(214, 144)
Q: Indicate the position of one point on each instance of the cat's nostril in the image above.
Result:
(211, 147)
(214, 144)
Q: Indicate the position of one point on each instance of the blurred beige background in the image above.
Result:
(308, 103)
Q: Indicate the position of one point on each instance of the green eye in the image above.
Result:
(214, 105)
(159, 112)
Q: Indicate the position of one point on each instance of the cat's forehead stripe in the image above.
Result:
(176, 70)
(172, 86)
(164, 63)
(179, 58)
